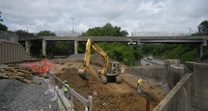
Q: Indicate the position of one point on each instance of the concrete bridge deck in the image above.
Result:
(141, 39)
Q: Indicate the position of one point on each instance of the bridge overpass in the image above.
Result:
(200, 40)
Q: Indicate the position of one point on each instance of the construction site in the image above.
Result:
(95, 83)
(110, 96)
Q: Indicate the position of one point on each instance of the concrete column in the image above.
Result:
(44, 44)
(199, 52)
(75, 47)
(138, 42)
(204, 42)
(27, 46)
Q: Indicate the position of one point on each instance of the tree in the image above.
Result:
(203, 27)
(2, 26)
(46, 33)
(106, 30)
(1, 20)
(24, 33)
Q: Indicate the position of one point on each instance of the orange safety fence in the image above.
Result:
(41, 66)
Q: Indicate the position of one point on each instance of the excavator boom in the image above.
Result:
(83, 73)
(110, 69)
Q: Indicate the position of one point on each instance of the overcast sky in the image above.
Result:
(130, 15)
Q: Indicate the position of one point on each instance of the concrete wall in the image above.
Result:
(153, 72)
(191, 92)
(174, 71)
(179, 98)
(12, 52)
(200, 87)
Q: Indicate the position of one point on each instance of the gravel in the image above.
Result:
(18, 96)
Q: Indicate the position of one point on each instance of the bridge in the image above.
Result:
(199, 40)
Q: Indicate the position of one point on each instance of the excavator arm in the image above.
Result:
(83, 73)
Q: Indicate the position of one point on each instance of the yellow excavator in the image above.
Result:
(110, 71)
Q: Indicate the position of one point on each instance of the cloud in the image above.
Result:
(130, 15)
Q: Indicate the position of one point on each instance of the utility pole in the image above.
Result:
(72, 25)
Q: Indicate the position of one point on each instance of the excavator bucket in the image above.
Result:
(83, 74)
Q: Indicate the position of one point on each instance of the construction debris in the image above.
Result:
(18, 72)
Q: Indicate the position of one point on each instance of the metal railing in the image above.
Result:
(12, 37)
(181, 33)
(87, 102)
(59, 33)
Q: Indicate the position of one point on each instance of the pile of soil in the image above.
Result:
(110, 96)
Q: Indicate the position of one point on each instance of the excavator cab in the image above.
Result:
(113, 69)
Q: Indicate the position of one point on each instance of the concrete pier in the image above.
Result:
(75, 47)
(27, 46)
(44, 44)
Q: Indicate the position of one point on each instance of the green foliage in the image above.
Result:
(46, 33)
(2, 26)
(117, 51)
(60, 48)
(24, 33)
(106, 30)
(205, 55)
(81, 47)
(1, 20)
(184, 52)
(188, 56)
(121, 52)
(203, 27)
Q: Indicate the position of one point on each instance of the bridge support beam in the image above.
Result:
(44, 44)
(199, 53)
(75, 47)
(27, 46)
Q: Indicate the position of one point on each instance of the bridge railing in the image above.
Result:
(59, 33)
(160, 33)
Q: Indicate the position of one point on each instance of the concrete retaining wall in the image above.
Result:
(179, 98)
(200, 87)
(12, 52)
(153, 72)
(174, 72)
(191, 92)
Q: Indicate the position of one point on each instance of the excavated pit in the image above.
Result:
(110, 96)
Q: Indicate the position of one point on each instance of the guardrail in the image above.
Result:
(87, 102)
